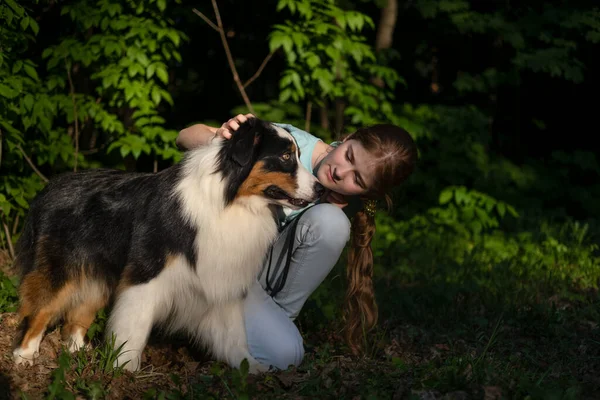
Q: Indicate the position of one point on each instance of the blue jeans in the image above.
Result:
(320, 237)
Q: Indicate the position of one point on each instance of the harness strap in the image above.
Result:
(288, 247)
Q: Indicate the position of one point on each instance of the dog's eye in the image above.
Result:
(286, 156)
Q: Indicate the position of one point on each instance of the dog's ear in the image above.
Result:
(245, 140)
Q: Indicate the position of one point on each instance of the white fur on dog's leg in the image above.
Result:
(223, 329)
(131, 321)
(131, 360)
(76, 341)
(255, 367)
(27, 355)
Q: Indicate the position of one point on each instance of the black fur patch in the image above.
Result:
(102, 221)
(265, 144)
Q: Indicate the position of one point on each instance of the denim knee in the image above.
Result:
(284, 353)
(272, 338)
(328, 225)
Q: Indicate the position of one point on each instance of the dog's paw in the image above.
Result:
(24, 356)
(257, 368)
(76, 342)
(130, 360)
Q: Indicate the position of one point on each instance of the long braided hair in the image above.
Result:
(394, 154)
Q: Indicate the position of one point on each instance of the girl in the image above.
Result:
(362, 168)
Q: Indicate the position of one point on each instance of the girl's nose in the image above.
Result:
(342, 171)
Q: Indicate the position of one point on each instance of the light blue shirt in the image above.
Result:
(306, 143)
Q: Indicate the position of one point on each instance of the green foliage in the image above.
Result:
(97, 328)
(328, 58)
(8, 293)
(128, 59)
(57, 389)
(486, 273)
(19, 85)
(105, 82)
(541, 39)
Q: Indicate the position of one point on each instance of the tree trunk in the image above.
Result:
(385, 31)
(324, 116)
(387, 24)
(340, 106)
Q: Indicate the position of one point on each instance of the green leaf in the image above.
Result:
(132, 70)
(446, 196)
(156, 95)
(17, 66)
(162, 5)
(24, 23)
(7, 92)
(285, 95)
(28, 102)
(167, 96)
(512, 211)
(30, 70)
(8, 14)
(21, 201)
(174, 37)
(150, 70)
(142, 59)
(501, 208)
(34, 26)
(125, 149)
(15, 7)
(162, 73)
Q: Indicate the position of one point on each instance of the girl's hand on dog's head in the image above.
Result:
(226, 130)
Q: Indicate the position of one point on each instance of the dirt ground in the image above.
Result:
(160, 360)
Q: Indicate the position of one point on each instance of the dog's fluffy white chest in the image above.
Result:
(225, 273)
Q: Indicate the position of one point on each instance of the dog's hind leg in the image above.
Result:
(40, 306)
(92, 297)
(131, 319)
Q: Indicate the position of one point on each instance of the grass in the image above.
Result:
(470, 330)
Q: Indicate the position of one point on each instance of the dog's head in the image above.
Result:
(262, 160)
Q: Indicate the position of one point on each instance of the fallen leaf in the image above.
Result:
(492, 392)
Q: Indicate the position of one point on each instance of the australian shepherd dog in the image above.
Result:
(177, 249)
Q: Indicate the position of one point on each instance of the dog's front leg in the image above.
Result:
(222, 329)
(135, 311)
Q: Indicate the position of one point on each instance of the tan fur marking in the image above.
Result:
(39, 319)
(34, 292)
(81, 316)
(124, 281)
(171, 259)
(259, 180)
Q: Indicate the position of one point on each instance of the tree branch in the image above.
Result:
(31, 164)
(11, 249)
(260, 69)
(236, 77)
(308, 116)
(72, 90)
(205, 18)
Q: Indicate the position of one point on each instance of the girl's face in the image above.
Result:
(347, 169)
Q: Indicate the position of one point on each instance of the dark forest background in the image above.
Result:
(487, 266)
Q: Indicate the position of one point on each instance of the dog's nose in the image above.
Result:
(319, 189)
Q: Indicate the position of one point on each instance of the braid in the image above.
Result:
(360, 311)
